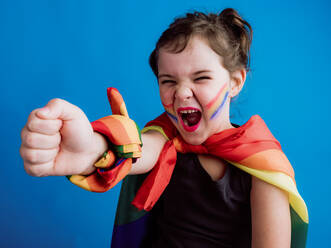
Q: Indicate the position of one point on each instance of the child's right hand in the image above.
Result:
(58, 140)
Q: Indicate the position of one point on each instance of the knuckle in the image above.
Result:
(31, 156)
(34, 171)
(21, 151)
(29, 139)
(33, 113)
(30, 125)
(23, 131)
(28, 170)
(56, 101)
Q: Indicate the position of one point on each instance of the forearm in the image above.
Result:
(153, 143)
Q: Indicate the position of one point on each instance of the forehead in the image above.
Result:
(196, 56)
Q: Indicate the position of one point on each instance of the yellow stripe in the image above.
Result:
(80, 181)
(155, 128)
(130, 127)
(131, 148)
(278, 179)
(103, 162)
(283, 182)
(123, 110)
(136, 154)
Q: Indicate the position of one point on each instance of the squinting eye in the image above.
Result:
(202, 78)
(168, 82)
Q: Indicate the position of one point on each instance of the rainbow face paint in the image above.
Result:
(170, 112)
(215, 106)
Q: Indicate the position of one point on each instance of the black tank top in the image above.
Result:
(196, 212)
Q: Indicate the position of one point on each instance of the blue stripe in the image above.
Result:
(220, 107)
(118, 162)
(172, 116)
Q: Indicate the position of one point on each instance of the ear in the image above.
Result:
(237, 82)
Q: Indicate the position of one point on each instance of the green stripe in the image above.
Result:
(139, 131)
(126, 212)
(299, 230)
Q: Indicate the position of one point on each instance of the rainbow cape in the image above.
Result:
(250, 147)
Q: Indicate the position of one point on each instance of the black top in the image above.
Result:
(194, 211)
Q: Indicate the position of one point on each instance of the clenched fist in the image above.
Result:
(58, 140)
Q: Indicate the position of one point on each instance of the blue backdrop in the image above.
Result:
(75, 49)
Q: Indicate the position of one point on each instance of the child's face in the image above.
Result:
(194, 88)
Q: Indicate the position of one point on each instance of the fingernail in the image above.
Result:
(44, 111)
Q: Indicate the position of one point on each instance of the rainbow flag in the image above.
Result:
(251, 148)
(125, 144)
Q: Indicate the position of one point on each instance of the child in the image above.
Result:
(201, 180)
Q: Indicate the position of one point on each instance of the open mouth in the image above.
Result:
(189, 118)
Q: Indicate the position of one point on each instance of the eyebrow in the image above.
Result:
(164, 75)
(201, 71)
(195, 73)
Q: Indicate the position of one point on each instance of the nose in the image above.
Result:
(183, 92)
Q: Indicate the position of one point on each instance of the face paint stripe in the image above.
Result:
(220, 107)
(170, 111)
(172, 116)
(210, 104)
(217, 104)
(167, 106)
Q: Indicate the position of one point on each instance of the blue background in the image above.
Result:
(76, 49)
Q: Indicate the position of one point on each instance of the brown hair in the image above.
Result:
(227, 34)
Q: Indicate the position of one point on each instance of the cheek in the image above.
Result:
(214, 101)
(167, 96)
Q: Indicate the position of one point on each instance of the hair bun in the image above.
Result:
(239, 30)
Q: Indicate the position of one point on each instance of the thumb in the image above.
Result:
(116, 102)
(58, 109)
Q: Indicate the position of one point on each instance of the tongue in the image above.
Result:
(192, 118)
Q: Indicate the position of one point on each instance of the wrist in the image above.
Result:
(100, 146)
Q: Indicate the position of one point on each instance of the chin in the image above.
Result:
(194, 139)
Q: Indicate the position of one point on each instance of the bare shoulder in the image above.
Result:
(271, 221)
(153, 143)
(267, 191)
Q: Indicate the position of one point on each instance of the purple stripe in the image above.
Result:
(132, 234)
(220, 107)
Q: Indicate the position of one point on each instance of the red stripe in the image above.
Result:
(215, 98)
(113, 129)
(157, 180)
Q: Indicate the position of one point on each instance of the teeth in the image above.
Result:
(185, 122)
(188, 111)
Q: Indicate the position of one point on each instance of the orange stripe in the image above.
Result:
(116, 102)
(113, 129)
(96, 183)
(270, 160)
(167, 106)
(130, 127)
